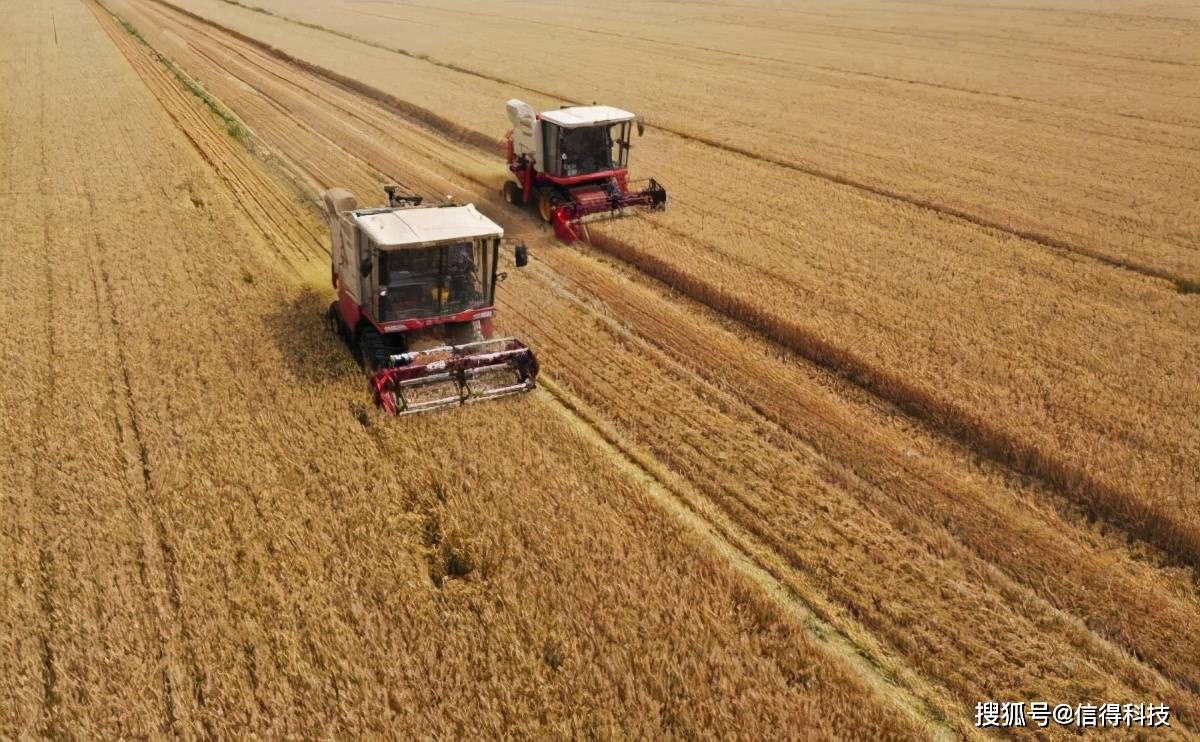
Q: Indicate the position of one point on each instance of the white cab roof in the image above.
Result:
(421, 225)
(576, 116)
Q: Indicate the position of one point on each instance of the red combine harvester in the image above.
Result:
(573, 163)
(415, 287)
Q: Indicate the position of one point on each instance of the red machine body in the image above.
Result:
(572, 163)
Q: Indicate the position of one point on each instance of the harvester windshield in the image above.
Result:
(585, 149)
(416, 283)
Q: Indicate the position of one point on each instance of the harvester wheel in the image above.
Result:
(331, 319)
(371, 349)
(546, 206)
(511, 192)
(334, 319)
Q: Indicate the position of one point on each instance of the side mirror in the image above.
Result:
(521, 253)
(641, 126)
(365, 267)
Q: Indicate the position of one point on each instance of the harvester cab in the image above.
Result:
(572, 164)
(415, 300)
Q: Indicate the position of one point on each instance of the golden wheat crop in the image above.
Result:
(1042, 322)
(205, 535)
(818, 450)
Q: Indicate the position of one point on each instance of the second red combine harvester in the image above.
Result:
(572, 163)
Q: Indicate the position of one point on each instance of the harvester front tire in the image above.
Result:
(511, 192)
(546, 206)
(371, 350)
(331, 319)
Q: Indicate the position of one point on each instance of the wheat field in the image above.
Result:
(893, 411)
(1060, 350)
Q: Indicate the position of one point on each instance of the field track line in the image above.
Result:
(1022, 99)
(45, 585)
(154, 551)
(1183, 284)
(384, 177)
(862, 656)
(157, 550)
(888, 679)
(1138, 518)
(1035, 9)
(51, 694)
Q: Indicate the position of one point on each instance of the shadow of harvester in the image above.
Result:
(312, 353)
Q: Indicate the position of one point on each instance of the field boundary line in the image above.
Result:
(46, 585)
(151, 531)
(1183, 284)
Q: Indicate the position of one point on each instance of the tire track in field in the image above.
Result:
(758, 562)
(1035, 9)
(779, 408)
(298, 171)
(728, 510)
(155, 550)
(898, 685)
(237, 178)
(957, 35)
(443, 125)
(117, 400)
(284, 110)
(1183, 284)
(176, 645)
(1023, 99)
(51, 695)
(1141, 519)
